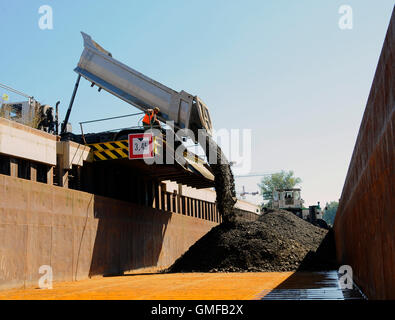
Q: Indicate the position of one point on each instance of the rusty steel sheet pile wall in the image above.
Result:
(81, 235)
(365, 221)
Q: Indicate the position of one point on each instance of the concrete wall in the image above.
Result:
(200, 194)
(72, 153)
(209, 195)
(81, 235)
(247, 206)
(24, 142)
(365, 221)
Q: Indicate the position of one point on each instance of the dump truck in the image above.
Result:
(98, 66)
(186, 111)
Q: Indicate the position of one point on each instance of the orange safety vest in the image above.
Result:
(148, 117)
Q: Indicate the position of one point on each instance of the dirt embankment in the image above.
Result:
(278, 241)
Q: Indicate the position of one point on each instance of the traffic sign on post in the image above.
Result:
(141, 146)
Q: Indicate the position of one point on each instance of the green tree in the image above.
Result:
(279, 180)
(330, 212)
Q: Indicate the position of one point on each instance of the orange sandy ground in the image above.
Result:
(179, 286)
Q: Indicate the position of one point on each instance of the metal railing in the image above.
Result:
(111, 118)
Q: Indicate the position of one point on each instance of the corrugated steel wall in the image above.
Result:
(365, 221)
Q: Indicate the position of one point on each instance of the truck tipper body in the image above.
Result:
(185, 110)
(99, 67)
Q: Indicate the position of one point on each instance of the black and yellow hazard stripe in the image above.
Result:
(110, 150)
(114, 150)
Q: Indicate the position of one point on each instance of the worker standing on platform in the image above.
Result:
(150, 120)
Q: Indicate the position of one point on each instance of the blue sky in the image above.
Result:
(281, 68)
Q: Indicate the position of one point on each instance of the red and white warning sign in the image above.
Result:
(141, 146)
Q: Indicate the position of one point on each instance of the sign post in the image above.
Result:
(140, 146)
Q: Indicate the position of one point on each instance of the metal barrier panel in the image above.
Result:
(365, 221)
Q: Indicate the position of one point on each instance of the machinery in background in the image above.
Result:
(313, 213)
(30, 112)
(244, 193)
(291, 200)
(288, 199)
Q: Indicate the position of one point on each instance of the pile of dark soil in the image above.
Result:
(324, 258)
(277, 241)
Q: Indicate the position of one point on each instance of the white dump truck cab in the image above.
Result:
(98, 66)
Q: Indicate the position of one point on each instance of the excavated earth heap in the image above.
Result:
(277, 241)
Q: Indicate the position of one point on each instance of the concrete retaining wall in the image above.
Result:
(80, 234)
(24, 142)
(365, 221)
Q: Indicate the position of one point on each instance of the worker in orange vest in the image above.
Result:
(150, 119)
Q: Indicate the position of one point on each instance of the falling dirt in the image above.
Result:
(223, 181)
(277, 241)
